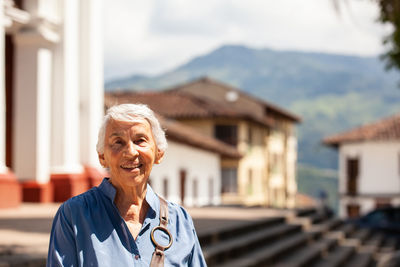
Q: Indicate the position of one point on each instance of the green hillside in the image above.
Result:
(311, 181)
(330, 92)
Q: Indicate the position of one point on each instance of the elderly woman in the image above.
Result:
(122, 222)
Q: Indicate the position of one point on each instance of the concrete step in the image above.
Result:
(337, 257)
(389, 260)
(219, 233)
(235, 247)
(326, 226)
(304, 212)
(361, 234)
(319, 218)
(357, 238)
(360, 259)
(309, 221)
(387, 250)
(390, 244)
(343, 231)
(22, 260)
(370, 248)
(375, 240)
(269, 254)
(308, 254)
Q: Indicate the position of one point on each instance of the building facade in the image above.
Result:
(261, 132)
(51, 98)
(192, 180)
(369, 166)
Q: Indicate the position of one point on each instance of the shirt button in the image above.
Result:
(137, 257)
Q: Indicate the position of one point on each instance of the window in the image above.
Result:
(353, 210)
(398, 161)
(182, 178)
(249, 135)
(211, 190)
(250, 182)
(229, 180)
(275, 163)
(165, 188)
(352, 166)
(18, 4)
(226, 134)
(195, 192)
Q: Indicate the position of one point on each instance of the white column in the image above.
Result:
(3, 167)
(91, 78)
(65, 97)
(32, 107)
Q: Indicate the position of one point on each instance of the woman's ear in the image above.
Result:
(102, 160)
(159, 156)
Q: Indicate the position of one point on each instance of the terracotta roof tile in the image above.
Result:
(180, 105)
(382, 130)
(217, 91)
(174, 130)
(181, 133)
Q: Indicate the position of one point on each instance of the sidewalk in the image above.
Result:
(24, 231)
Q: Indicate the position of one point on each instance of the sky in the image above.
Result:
(153, 36)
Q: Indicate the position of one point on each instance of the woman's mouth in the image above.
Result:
(131, 167)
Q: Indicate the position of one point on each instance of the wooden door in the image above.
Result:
(353, 210)
(352, 175)
(183, 185)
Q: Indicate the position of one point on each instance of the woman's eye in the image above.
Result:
(118, 142)
(140, 141)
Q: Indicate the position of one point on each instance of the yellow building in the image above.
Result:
(261, 132)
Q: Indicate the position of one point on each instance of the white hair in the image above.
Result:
(127, 113)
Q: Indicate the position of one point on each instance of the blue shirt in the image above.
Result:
(89, 231)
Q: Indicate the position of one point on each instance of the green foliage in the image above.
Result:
(390, 13)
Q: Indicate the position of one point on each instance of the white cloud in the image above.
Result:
(153, 36)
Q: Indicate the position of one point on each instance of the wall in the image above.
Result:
(291, 163)
(378, 170)
(254, 190)
(198, 164)
(379, 174)
(277, 187)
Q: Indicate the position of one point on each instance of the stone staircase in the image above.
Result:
(288, 239)
(306, 238)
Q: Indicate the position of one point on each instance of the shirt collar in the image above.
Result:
(152, 199)
(109, 190)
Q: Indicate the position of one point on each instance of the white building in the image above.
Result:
(369, 166)
(51, 98)
(190, 171)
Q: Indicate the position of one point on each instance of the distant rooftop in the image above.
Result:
(222, 93)
(177, 131)
(205, 98)
(386, 129)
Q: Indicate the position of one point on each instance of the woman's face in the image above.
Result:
(129, 152)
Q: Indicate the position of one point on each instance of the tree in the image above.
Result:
(389, 13)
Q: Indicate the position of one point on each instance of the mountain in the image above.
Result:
(330, 92)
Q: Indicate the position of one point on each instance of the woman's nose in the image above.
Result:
(131, 150)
